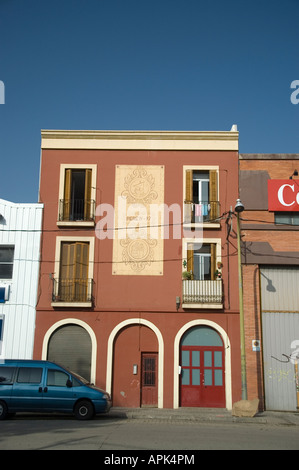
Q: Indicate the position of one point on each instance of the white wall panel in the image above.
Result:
(20, 225)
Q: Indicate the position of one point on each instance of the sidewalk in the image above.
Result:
(207, 415)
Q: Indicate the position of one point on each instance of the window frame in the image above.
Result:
(203, 241)
(202, 168)
(290, 214)
(61, 192)
(10, 263)
(66, 239)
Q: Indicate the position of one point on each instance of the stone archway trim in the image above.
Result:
(227, 350)
(74, 321)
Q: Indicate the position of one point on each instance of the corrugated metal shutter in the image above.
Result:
(280, 324)
(70, 346)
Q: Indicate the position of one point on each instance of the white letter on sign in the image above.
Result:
(280, 195)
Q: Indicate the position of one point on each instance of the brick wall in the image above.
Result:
(252, 319)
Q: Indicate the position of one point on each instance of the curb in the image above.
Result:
(218, 416)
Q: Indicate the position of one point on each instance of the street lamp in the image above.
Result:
(238, 209)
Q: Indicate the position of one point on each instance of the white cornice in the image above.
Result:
(140, 140)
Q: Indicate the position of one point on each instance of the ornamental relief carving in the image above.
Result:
(136, 252)
(139, 187)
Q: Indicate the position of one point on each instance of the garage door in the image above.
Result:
(280, 325)
(70, 346)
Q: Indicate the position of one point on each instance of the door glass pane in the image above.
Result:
(218, 358)
(185, 377)
(185, 358)
(149, 371)
(201, 336)
(208, 377)
(195, 377)
(195, 359)
(208, 358)
(218, 377)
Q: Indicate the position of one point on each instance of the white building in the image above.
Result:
(20, 235)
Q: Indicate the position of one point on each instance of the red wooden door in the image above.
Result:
(149, 379)
(202, 376)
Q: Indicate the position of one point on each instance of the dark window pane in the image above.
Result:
(6, 374)
(29, 375)
(6, 271)
(6, 254)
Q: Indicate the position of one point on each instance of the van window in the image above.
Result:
(31, 375)
(6, 375)
(57, 378)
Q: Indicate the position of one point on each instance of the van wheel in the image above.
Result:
(84, 410)
(3, 410)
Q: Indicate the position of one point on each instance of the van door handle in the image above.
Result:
(41, 389)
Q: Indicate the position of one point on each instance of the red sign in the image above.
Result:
(283, 195)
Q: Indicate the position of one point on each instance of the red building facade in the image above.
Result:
(139, 277)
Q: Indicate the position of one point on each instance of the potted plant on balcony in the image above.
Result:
(186, 275)
(218, 272)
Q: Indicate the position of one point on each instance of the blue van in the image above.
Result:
(44, 386)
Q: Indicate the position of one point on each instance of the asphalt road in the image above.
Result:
(111, 434)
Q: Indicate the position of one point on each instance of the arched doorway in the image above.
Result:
(70, 346)
(202, 361)
(135, 367)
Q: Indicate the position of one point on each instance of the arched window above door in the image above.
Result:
(201, 336)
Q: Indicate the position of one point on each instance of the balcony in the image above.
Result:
(72, 293)
(202, 294)
(202, 212)
(76, 211)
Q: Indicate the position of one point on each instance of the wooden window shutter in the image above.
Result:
(67, 194)
(74, 260)
(82, 256)
(213, 194)
(189, 186)
(188, 195)
(190, 258)
(66, 260)
(213, 261)
(73, 282)
(87, 194)
(81, 282)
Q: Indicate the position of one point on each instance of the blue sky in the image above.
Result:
(144, 65)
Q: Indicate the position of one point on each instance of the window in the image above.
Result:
(73, 283)
(6, 375)
(201, 196)
(77, 191)
(6, 261)
(73, 278)
(77, 195)
(289, 218)
(201, 261)
(32, 375)
(57, 378)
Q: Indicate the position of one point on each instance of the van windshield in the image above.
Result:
(75, 375)
(78, 377)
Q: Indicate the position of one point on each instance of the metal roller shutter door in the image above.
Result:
(70, 346)
(280, 324)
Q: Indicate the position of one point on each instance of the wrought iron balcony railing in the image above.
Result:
(74, 210)
(202, 292)
(72, 290)
(201, 212)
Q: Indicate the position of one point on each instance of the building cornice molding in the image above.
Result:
(140, 140)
